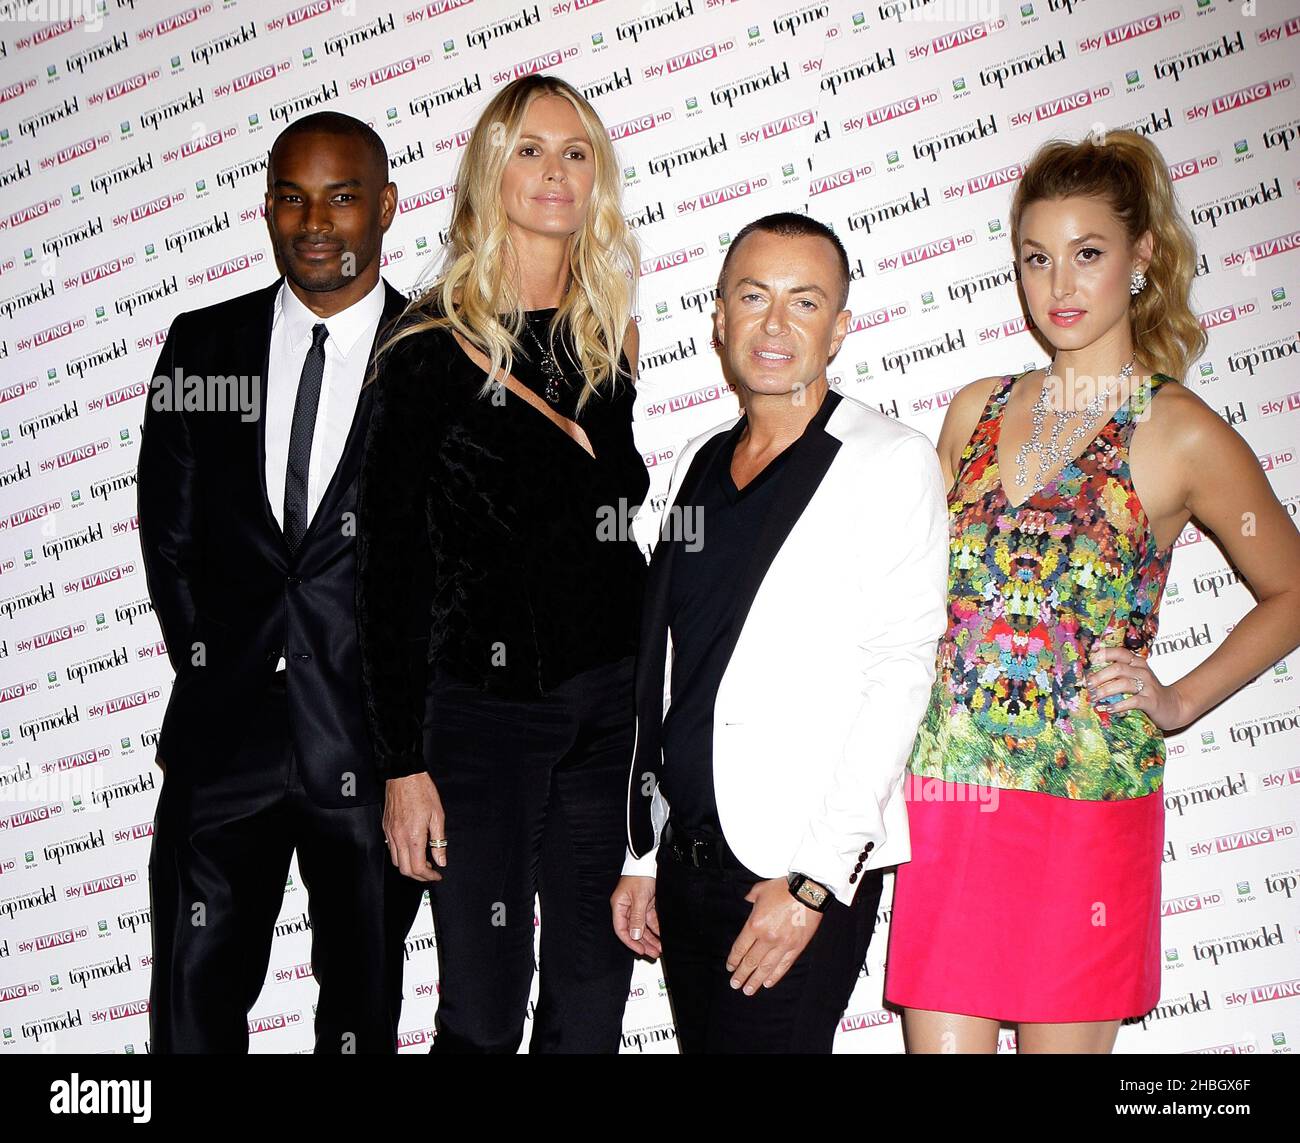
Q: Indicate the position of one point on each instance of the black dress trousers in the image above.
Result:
(534, 793)
(701, 913)
(217, 869)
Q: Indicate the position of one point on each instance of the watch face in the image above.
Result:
(807, 891)
(812, 893)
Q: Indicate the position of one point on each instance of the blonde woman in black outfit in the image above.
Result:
(498, 609)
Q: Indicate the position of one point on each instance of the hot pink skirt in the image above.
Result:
(1043, 909)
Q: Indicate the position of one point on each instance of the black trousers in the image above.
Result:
(701, 912)
(534, 793)
(217, 870)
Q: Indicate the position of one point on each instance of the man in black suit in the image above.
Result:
(250, 452)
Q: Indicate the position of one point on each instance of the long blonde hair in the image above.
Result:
(473, 286)
(1129, 173)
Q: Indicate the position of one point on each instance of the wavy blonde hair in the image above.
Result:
(1129, 173)
(473, 286)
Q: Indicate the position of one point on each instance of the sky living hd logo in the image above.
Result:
(29, 515)
(907, 104)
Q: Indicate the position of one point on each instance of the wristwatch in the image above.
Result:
(809, 892)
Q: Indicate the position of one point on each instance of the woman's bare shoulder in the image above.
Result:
(975, 394)
(1183, 424)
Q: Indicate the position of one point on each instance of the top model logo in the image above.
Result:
(483, 37)
(34, 124)
(78, 61)
(339, 44)
(1023, 65)
(634, 29)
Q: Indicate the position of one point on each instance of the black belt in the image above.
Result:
(700, 852)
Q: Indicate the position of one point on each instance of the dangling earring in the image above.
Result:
(1137, 283)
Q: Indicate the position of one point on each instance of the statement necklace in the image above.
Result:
(1055, 451)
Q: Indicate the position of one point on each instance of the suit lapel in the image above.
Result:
(654, 616)
(652, 658)
(804, 472)
(258, 334)
(805, 469)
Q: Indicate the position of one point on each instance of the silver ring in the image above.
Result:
(439, 843)
(1138, 685)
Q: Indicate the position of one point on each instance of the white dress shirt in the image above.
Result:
(347, 354)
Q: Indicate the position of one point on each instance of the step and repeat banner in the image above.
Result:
(133, 146)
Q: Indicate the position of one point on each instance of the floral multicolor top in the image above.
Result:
(1032, 589)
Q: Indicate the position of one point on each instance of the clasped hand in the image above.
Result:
(776, 933)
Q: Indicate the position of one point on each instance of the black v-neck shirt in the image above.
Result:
(702, 611)
(491, 544)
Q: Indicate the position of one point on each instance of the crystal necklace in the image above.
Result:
(549, 366)
(1054, 452)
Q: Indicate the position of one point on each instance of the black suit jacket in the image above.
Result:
(228, 594)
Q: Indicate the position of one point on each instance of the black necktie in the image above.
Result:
(304, 424)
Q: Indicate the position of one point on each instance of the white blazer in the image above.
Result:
(841, 609)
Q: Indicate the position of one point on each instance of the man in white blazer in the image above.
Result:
(795, 600)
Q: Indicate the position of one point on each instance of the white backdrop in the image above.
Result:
(133, 140)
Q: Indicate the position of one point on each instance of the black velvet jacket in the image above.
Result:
(489, 541)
